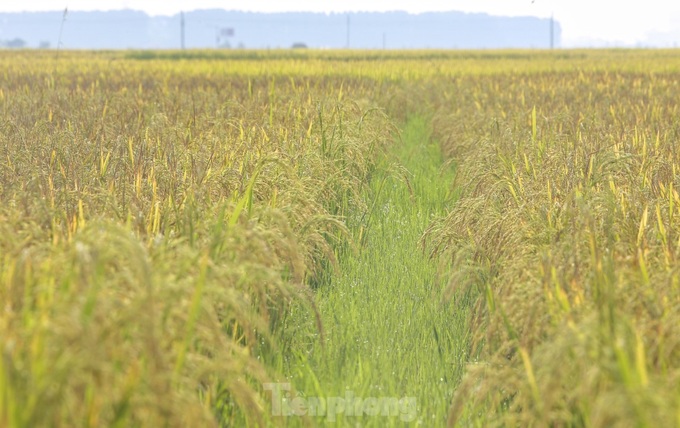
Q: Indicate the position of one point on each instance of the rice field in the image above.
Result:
(388, 238)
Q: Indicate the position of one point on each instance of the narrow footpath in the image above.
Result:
(394, 349)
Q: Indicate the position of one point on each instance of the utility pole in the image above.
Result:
(181, 24)
(384, 41)
(348, 31)
(552, 31)
(61, 30)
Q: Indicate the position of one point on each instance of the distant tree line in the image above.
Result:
(18, 43)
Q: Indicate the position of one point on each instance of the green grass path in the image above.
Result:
(388, 333)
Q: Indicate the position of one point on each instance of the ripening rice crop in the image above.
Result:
(154, 222)
(567, 227)
(160, 213)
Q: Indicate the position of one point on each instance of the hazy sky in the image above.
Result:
(584, 22)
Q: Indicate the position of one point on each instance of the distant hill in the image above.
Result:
(220, 28)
